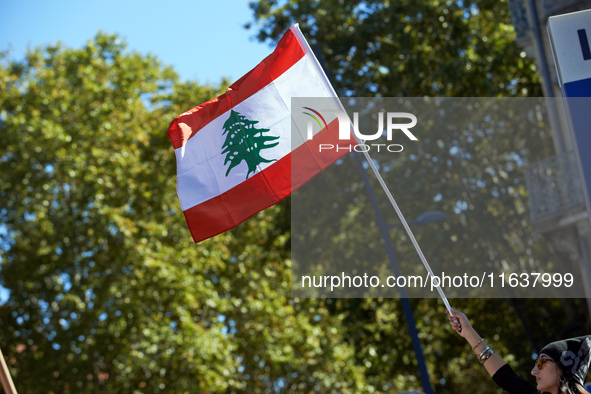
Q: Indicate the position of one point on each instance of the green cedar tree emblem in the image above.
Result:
(245, 142)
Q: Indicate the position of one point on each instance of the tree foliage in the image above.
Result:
(409, 48)
(108, 293)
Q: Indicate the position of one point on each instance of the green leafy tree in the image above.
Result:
(408, 48)
(107, 291)
(244, 142)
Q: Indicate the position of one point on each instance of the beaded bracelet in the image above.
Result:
(478, 343)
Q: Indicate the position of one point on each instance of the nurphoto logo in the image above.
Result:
(346, 126)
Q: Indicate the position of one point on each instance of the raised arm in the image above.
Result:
(498, 369)
(492, 362)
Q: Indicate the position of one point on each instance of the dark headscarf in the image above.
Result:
(572, 355)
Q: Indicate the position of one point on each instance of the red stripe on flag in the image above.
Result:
(286, 54)
(266, 188)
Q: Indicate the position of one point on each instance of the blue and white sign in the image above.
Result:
(570, 37)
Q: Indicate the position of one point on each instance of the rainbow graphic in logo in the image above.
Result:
(316, 119)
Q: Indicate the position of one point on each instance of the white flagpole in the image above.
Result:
(406, 227)
(300, 37)
(5, 377)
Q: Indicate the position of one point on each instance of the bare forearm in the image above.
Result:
(494, 362)
(461, 324)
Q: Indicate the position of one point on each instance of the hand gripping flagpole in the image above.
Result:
(304, 44)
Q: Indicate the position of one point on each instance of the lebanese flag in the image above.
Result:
(234, 153)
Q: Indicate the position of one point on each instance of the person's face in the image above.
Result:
(547, 374)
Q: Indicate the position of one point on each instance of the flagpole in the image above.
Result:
(300, 37)
(5, 378)
(406, 227)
